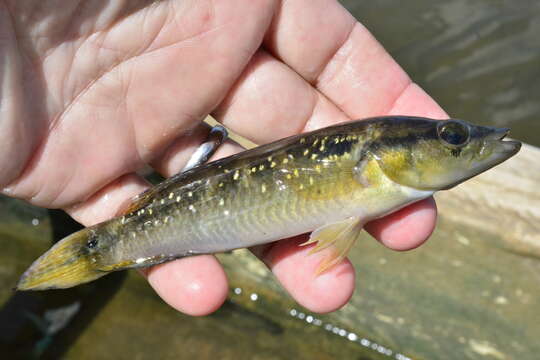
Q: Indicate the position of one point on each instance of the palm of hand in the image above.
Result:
(93, 92)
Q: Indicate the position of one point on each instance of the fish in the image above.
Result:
(332, 180)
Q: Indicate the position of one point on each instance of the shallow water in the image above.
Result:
(479, 59)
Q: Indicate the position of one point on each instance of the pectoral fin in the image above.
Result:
(340, 235)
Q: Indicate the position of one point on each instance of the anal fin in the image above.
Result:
(341, 236)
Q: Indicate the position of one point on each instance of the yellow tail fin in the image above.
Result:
(66, 264)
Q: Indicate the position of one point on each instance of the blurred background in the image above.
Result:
(479, 59)
(473, 292)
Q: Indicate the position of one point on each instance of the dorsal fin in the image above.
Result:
(147, 196)
(218, 134)
(137, 202)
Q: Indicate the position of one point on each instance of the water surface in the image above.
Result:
(479, 59)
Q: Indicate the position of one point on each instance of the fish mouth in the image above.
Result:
(505, 148)
(494, 150)
(498, 133)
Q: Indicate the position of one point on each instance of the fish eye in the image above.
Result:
(453, 133)
(92, 243)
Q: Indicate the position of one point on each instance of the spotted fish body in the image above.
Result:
(256, 197)
(334, 180)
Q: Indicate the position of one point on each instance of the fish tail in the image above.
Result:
(66, 264)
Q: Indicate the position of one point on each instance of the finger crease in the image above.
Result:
(393, 103)
(331, 56)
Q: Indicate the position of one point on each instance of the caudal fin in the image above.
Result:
(66, 264)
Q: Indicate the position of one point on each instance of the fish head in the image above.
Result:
(439, 154)
(71, 261)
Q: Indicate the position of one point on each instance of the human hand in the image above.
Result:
(92, 91)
